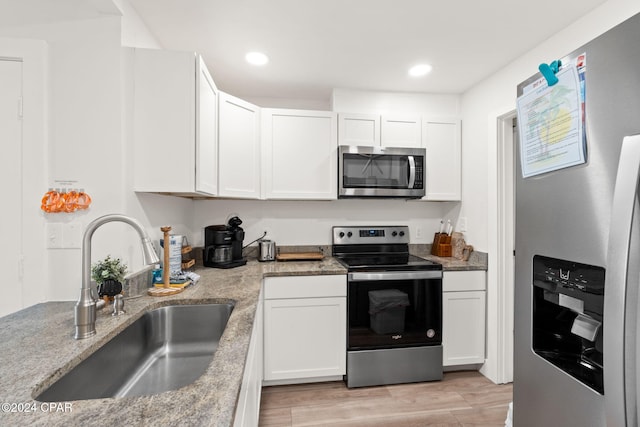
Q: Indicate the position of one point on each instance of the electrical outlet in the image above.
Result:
(269, 234)
(462, 224)
(53, 232)
(419, 233)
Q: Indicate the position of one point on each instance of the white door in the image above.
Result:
(359, 129)
(206, 131)
(11, 176)
(304, 338)
(463, 328)
(443, 170)
(239, 148)
(403, 131)
(299, 154)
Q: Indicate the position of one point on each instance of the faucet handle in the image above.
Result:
(118, 305)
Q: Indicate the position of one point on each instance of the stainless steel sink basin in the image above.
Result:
(165, 349)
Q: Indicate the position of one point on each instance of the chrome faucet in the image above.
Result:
(85, 309)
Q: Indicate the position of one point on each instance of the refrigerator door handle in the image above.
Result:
(618, 303)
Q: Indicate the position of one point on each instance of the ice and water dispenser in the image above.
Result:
(568, 300)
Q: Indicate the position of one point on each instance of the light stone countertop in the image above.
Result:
(37, 348)
(477, 260)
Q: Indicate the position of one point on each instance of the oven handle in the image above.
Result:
(394, 275)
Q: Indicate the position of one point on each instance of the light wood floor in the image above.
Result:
(460, 399)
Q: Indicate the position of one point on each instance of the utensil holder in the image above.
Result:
(441, 245)
(437, 239)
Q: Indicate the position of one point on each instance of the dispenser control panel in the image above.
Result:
(569, 274)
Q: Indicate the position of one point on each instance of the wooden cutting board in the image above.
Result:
(300, 256)
(164, 292)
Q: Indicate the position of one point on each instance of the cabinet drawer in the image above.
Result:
(455, 281)
(305, 286)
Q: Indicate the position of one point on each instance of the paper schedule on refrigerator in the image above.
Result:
(550, 124)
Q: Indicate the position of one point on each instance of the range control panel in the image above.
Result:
(370, 235)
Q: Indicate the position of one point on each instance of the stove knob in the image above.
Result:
(401, 233)
(394, 234)
(341, 234)
(349, 234)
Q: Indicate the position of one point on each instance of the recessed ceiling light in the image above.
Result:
(420, 70)
(256, 58)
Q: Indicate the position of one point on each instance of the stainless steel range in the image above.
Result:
(394, 307)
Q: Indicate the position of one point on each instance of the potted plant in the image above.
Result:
(109, 275)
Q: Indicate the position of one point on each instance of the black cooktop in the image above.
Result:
(389, 262)
(377, 248)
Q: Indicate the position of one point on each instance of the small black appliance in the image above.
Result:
(223, 245)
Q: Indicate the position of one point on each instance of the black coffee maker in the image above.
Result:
(223, 245)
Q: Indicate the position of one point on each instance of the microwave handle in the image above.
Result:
(412, 171)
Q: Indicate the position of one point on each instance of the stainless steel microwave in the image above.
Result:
(380, 172)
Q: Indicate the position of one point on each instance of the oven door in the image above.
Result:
(394, 309)
(381, 172)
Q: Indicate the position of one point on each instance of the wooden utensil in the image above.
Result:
(165, 268)
(300, 256)
(166, 273)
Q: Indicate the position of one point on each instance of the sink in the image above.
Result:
(165, 349)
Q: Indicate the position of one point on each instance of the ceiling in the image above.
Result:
(317, 45)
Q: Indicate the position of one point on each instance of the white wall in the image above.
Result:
(310, 222)
(498, 94)
(83, 136)
(481, 105)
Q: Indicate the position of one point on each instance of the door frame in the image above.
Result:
(501, 233)
(34, 259)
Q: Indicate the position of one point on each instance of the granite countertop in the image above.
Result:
(477, 260)
(38, 348)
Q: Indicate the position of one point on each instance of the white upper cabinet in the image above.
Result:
(375, 130)
(174, 124)
(443, 170)
(359, 129)
(401, 131)
(206, 131)
(239, 148)
(299, 152)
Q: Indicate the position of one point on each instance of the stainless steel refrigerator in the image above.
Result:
(577, 256)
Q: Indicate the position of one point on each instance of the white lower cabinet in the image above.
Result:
(248, 408)
(304, 328)
(463, 317)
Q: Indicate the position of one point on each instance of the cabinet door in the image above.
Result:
(174, 123)
(401, 131)
(164, 120)
(239, 148)
(206, 171)
(463, 327)
(300, 154)
(304, 338)
(359, 129)
(441, 138)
